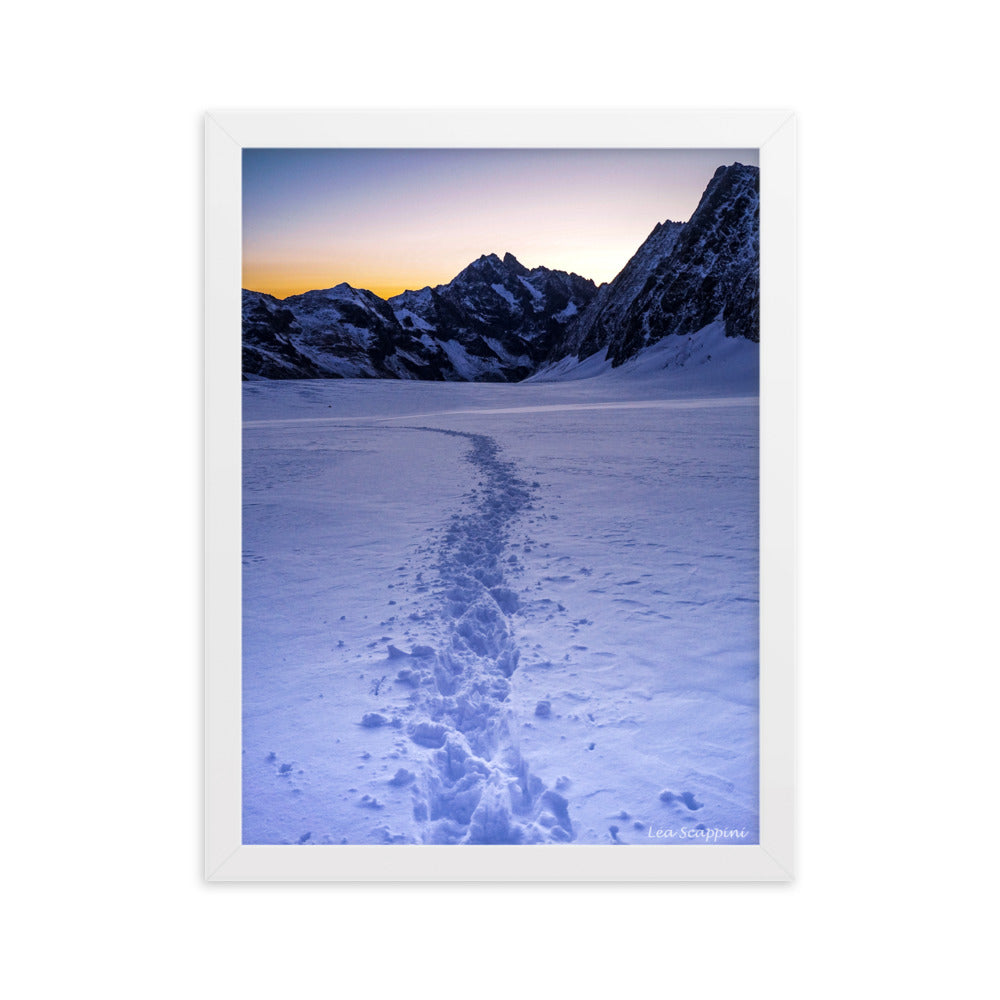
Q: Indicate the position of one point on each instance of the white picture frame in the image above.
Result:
(227, 133)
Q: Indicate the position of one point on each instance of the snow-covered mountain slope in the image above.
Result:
(353, 333)
(707, 362)
(683, 277)
(499, 309)
(607, 308)
(269, 329)
(495, 321)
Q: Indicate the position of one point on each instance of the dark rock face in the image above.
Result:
(496, 321)
(608, 308)
(339, 332)
(499, 321)
(268, 332)
(505, 317)
(685, 276)
(352, 333)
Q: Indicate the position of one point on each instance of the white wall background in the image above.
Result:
(101, 406)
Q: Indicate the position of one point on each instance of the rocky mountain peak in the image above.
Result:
(499, 321)
(513, 264)
(683, 277)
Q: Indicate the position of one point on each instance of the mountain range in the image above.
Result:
(499, 321)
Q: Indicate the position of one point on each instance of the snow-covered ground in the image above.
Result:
(505, 613)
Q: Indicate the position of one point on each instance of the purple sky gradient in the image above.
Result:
(392, 219)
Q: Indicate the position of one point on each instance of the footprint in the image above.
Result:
(685, 798)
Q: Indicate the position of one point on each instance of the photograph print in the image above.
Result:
(500, 477)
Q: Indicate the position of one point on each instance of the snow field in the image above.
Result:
(501, 614)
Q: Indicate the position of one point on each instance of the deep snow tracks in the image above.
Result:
(477, 788)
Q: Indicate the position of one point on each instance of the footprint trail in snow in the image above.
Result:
(477, 788)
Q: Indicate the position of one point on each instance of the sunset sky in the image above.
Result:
(392, 219)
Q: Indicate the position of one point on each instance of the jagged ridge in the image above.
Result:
(683, 277)
(499, 321)
(495, 321)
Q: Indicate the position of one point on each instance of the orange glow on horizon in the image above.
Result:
(282, 288)
(599, 263)
(388, 220)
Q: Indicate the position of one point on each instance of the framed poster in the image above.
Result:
(500, 435)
